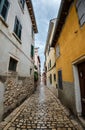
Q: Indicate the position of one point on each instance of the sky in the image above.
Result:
(44, 10)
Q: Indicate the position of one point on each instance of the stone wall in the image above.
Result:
(17, 89)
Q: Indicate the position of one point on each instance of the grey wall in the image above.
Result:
(67, 96)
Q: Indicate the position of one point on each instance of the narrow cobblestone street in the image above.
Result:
(42, 111)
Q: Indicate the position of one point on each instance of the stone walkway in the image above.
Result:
(42, 111)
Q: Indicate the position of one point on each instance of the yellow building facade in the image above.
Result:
(50, 57)
(69, 43)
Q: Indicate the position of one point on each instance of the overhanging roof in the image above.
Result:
(48, 36)
(50, 29)
(63, 12)
(32, 15)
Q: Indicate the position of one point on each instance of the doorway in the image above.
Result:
(81, 73)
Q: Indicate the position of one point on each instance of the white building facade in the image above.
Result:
(38, 63)
(17, 29)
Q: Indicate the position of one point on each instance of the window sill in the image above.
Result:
(13, 73)
(21, 6)
(3, 21)
(32, 58)
(17, 38)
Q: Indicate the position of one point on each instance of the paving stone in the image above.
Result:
(42, 112)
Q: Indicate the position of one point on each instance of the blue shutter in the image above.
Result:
(60, 79)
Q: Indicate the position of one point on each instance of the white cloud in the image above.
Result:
(45, 10)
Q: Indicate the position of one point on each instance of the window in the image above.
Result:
(54, 77)
(57, 51)
(48, 66)
(30, 71)
(12, 64)
(32, 51)
(60, 79)
(50, 63)
(17, 28)
(22, 2)
(48, 49)
(4, 6)
(50, 78)
(80, 5)
(32, 33)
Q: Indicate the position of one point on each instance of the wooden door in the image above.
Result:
(81, 70)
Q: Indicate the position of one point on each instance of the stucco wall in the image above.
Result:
(72, 47)
(52, 69)
(15, 87)
(10, 46)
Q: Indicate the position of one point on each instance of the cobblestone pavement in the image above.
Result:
(42, 112)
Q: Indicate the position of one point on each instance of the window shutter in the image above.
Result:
(22, 3)
(4, 8)
(50, 63)
(17, 28)
(12, 64)
(15, 25)
(32, 51)
(0, 2)
(50, 78)
(60, 79)
(54, 77)
(81, 11)
(20, 30)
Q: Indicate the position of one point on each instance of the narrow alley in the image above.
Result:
(42, 111)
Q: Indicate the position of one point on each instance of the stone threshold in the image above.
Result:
(82, 121)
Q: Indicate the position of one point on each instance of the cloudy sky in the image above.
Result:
(45, 10)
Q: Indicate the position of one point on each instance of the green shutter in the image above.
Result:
(4, 6)
(32, 51)
(17, 28)
(15, 24)
(22, 3)
(20, 31)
